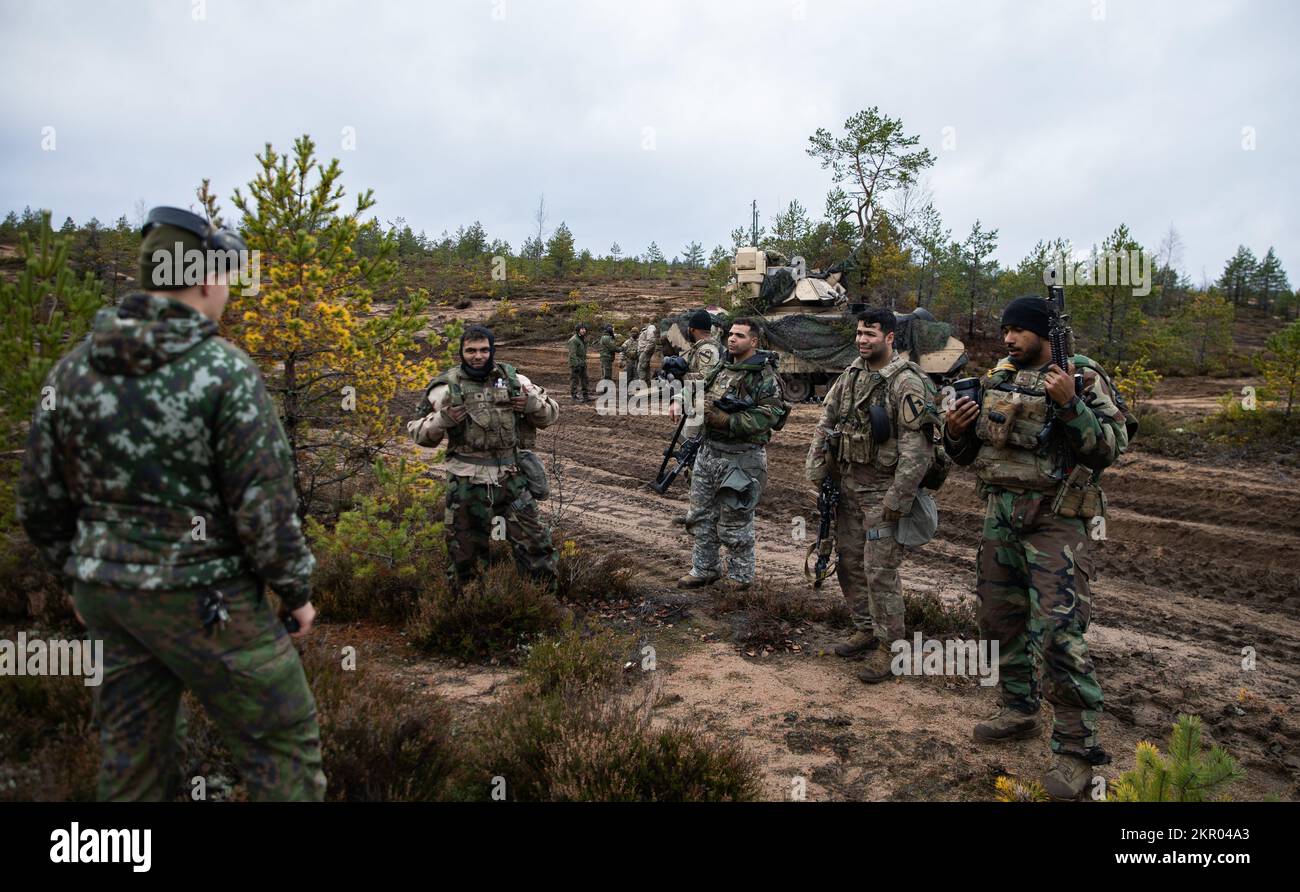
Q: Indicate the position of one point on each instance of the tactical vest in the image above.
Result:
(722, 381)
(492, 426)
(1011, 429)
(857, 444)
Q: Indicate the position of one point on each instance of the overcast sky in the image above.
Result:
(662, 120)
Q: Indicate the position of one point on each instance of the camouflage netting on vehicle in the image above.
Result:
(827, 339)
(925, 335)
(824, 339)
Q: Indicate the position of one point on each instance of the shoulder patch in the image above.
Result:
(911, 409)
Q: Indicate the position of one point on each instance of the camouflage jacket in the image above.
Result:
(629, 350)
(607, 347)
(702, 356)
(896, 466)
(753, 381)
(158, 461)
(577, 351)
(1092, 430)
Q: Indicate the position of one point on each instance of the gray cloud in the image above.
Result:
(1065, 124)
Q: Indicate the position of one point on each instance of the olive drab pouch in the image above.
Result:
(535, 473)
(1079, 496)
(998, 418)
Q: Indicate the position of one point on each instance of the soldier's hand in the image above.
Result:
(717, 419)
(519, 403)
(305, 615)
(891, 515)
(1059, 385)
(960, 416)
(457, 413)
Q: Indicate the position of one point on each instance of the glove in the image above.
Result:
(891, 515)
(717, 419)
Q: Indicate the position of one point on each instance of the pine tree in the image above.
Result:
(1270, 279)
(1280, 366)
(45, 311)
(559, 251)
(694, 258)
(333, 364)
(1186, 775)
(1238, 276)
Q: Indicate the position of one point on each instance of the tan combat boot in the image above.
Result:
(1007, 724)
(690, 580)
(1067, 777)
(876, 667)
(735, 585)
(860, 643)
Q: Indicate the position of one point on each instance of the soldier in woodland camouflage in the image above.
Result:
(489, 415)
(158, 486)
(879, 479)
(1034, 562)
(731, 466)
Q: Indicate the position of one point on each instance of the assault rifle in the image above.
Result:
(1060, 338)
(828, 499)
(684, 456)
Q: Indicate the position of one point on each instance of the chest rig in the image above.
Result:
(492, 427)
(1014, 449)
(865, 419)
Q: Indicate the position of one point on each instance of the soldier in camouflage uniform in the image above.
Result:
(878, 481)
(578, 365)
(701, 358)
(1034, 563)
(731, 466)
(646, 344)
(608, 347)
(158, 486)
(628, 350)
(489, 414)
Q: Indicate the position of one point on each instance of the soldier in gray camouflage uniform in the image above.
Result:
(731, 466)
(158, 486)
(878, 481)
(1035, 563)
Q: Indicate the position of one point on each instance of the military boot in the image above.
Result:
(735, 585)
(1067, 777)
(1007, 724)
(860, 643)
(876, 667)
(680, 519)
(690, 580)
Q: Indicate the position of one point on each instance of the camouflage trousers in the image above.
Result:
(643, 366)
(1034, 599)
(578, 382)
(247, 676)
(476, 512)
(868, 568)
(607, 368)
(724, 515)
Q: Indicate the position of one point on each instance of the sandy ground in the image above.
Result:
(1199, 564)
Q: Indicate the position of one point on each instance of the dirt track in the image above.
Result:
(1199, 563)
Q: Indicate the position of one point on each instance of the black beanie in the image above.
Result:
(1028, 312)
(700, 319)
(478, 333)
